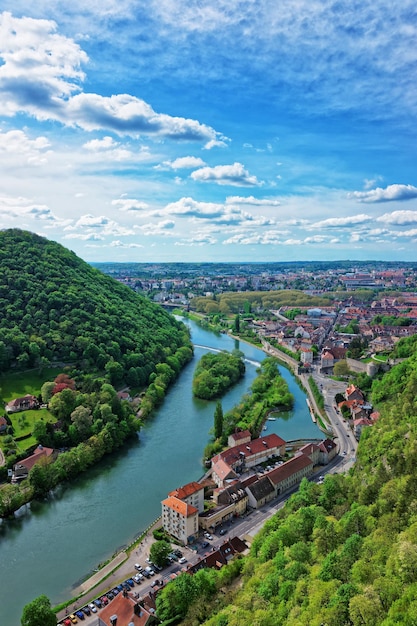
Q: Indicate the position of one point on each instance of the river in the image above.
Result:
(50, 547)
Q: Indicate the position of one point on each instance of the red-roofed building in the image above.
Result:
(290, 473)
(124, 610)
(235, 439)
(191, 493)
(3, 424)
(22, 468)
(250, 454)
(25, 403)
(180, 519)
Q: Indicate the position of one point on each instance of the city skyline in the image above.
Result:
(223, 131)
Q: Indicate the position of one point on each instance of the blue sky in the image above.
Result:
(221, 130)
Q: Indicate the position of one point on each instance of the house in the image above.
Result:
(218, 558)
(3, 424)
(354, 393)
(306, 355)
(328, 450)
(260, 492)
(290, 473)
(22, 404)
(22, 468)
(180, 519)
(312, 450)
(327, 360)
(242, 436)
(359, 424)
(191, 493)
(222, 473)
(125, 610)
(247, 455)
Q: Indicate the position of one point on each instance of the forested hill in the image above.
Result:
(56, 307)
(339, 554)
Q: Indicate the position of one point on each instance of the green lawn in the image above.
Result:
(19, 384)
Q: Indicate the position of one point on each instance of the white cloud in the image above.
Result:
(341, 222)
(387, 194)
(16, 143)
(130, 204)
(235, 175)
(252, 201)
(41, 71)
(188, 162)
(400, 218)
(120, 244)
(161, 228)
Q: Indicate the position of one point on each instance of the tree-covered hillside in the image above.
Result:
(343, 553)
(56, 307)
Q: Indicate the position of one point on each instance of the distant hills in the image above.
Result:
(57, 308)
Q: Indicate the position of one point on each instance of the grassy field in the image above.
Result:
(19, 384)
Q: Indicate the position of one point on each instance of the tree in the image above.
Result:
(38, 613)
(218, 421)
(82, 419)
(341, 368)
(236, 324)
(159, 552)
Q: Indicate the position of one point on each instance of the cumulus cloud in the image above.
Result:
(120, 244)
(399, 218)
(130, 204)
(41, 74)
(252, 201)
(161, 228)
(387, 194)
(217, 213)
(21, 208)
(341, 222)
(235, 175)
(187, 162)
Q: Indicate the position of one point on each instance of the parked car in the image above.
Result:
(86, 610)
(104, 600)
(92, 607)
(138, 578)
(67, 622)
(205, 544)
(80, 615)
(110, 595)
(98, 603)
(178, 553)
(138, 567)
(183, 559)
(73, 619)
(173, 556)
(119, 587)
(130, 582)
(115, 591)
(223, 531)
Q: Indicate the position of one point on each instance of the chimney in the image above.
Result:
(113, 620)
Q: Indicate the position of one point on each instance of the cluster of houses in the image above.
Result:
(317, 327)
(361, 411)
(238, 482)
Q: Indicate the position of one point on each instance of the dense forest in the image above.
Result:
(343, 553)
(216, 373)
(56, 307)
(57, 310)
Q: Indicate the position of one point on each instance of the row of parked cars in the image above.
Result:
(127, 585)
(98, 603)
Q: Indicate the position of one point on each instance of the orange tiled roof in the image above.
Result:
(186, 491)
(177, 505)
